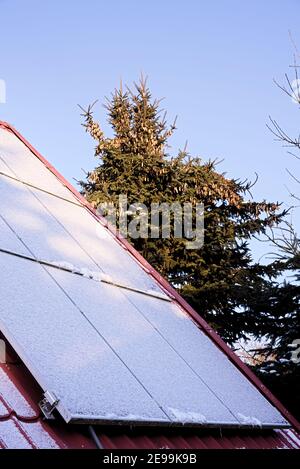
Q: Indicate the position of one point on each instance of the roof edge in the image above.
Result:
(166, 286)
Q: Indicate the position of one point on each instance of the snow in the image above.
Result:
(105, 252)
(27, 167)
(158, 294)
(9, 240)
(104, 350)
(13, 397)
(17, 434)
(64, 265)
(64, 352)
(84, 271)
(113, 417)
(107, 332)
(293, 438)
(39, 230)
(3, 410)
(205, 359)
(167, 378)
(101, 277)
(98, 276)
(38, 435)
(11, 436)
(52, 229)
(184, 417)
(247, 420)
(4, 168)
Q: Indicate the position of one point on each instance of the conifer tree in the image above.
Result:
(219, 280)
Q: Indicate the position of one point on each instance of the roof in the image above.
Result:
(23, 426)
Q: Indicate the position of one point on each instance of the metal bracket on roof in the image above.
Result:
(48, 404)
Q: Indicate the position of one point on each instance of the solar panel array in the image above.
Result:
(106, 343)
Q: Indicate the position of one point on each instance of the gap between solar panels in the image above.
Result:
(33, 186)
(92, 275)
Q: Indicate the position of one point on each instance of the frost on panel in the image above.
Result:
(63, 351)
(175, 387)
(106, 252)
(37, 228)
(9, 240)
(26, 166)
(4, 168)
(57, 231)
(208, 362)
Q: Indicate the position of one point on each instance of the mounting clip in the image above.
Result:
(48, 404)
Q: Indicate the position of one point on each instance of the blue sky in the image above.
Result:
(214, 63)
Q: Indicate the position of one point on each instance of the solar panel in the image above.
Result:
(64, 352)
(237, 393)
(57, 230)
(4, 168)
(107, 353)
(27, 167)
(9, 241)
(145, 351)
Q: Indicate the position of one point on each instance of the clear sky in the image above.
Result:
(213, 61)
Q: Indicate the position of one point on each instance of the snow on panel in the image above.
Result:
(39, 230)
(169, 379)
(27, 167)
(64, 352)
(99, 243)
(57, 231)
(9, 240)
(238, 394)
(4, 168)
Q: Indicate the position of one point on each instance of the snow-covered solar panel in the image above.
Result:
(57, 230)
(4, 168)
(237, 393)
(9, 241)
(144, 350)
(27, 167)
(112, 258)
(64, 352)
(108, 354)
(39, 230)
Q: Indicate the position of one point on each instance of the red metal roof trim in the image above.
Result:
(173, 293)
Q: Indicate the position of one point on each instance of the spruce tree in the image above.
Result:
(218, 279)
